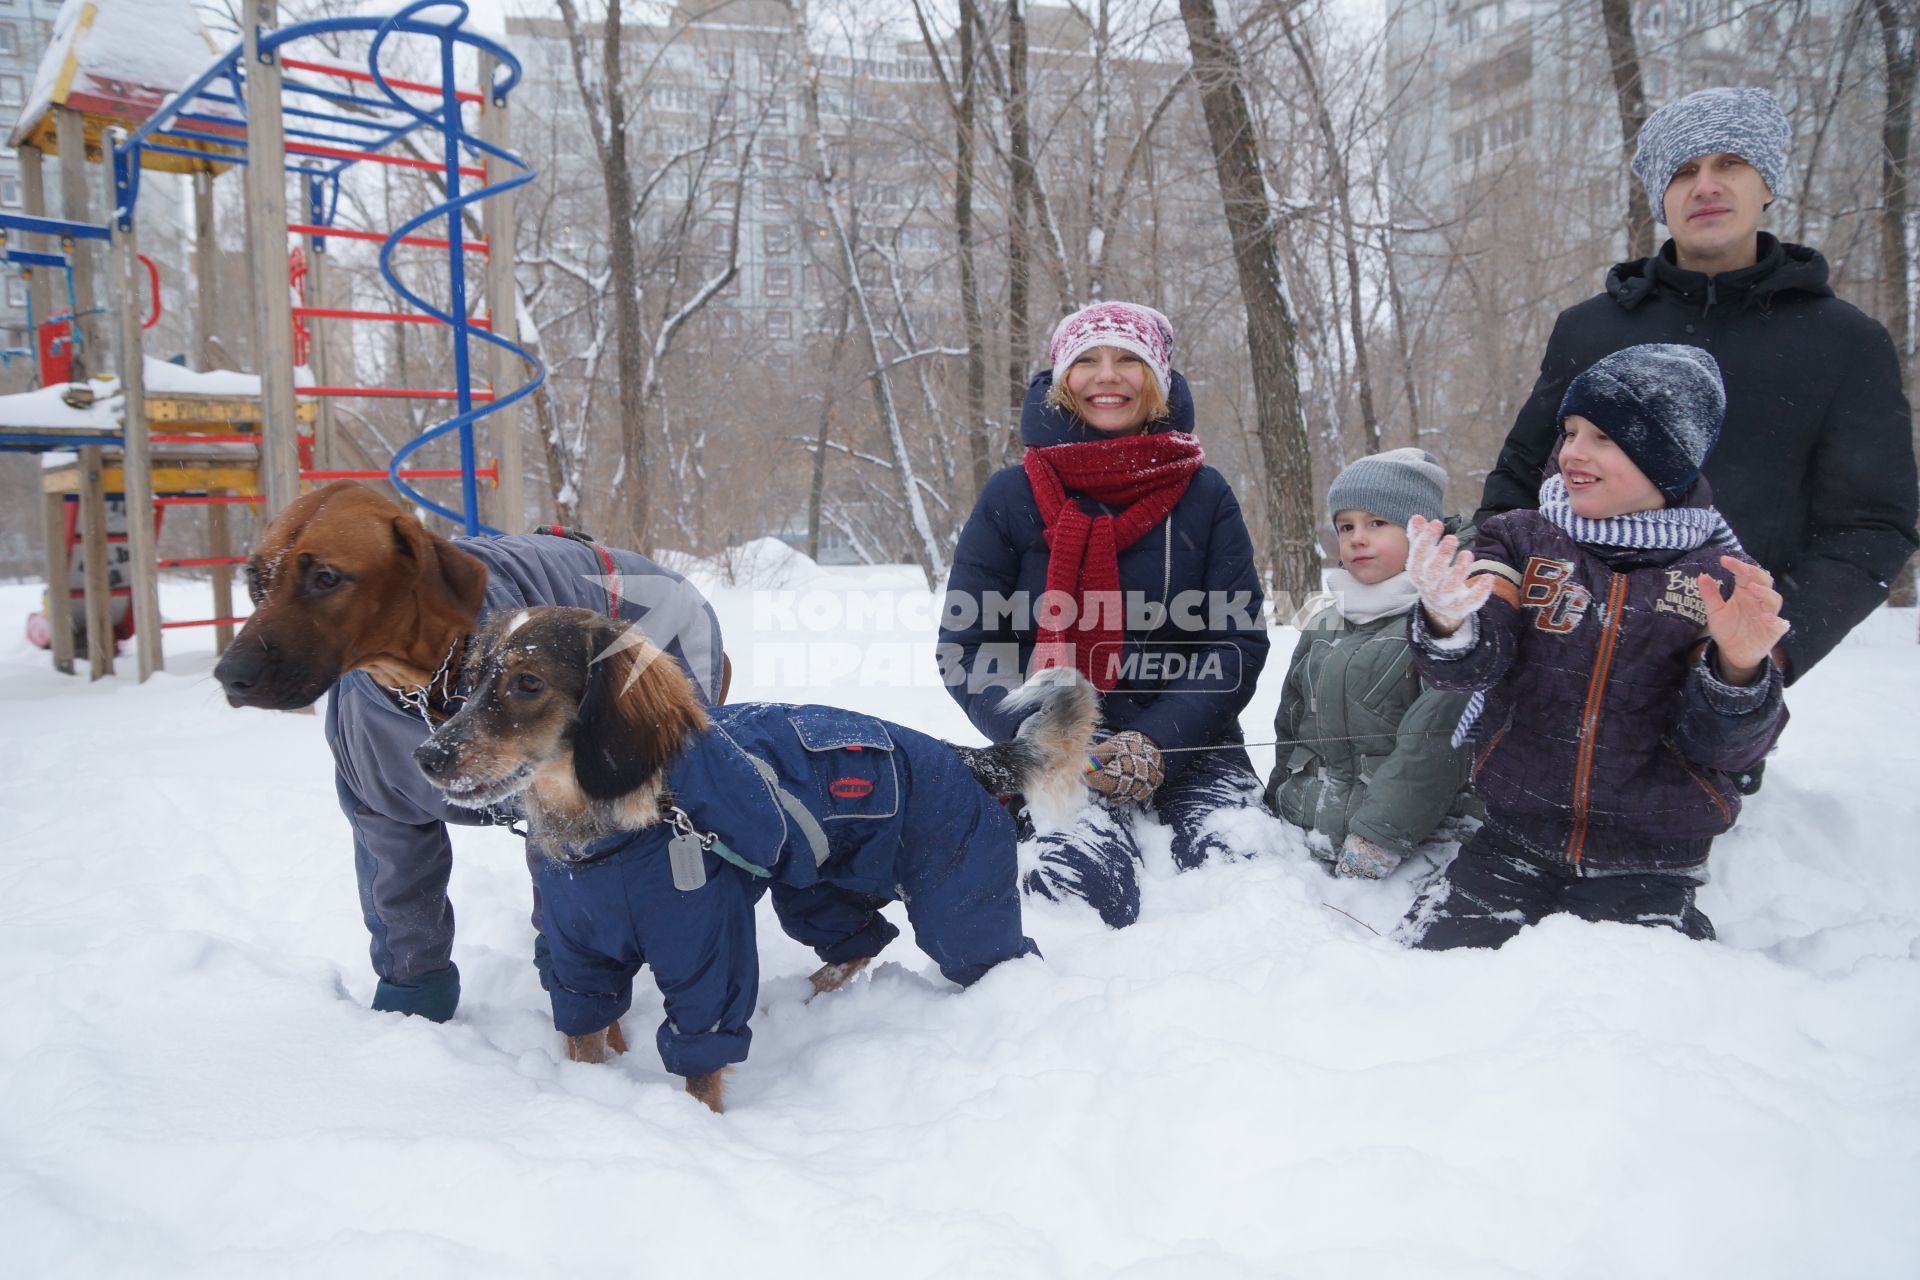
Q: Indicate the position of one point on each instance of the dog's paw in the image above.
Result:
(710, 1088)
(831, 977)
(596, 1046)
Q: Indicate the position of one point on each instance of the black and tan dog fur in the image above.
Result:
(582, 717)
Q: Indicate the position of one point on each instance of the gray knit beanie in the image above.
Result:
(1745, 121)
(1398, 484)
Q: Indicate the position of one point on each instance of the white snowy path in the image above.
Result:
(1245, 1084)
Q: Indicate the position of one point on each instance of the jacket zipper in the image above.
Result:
(1590, 716)
(1487, 754)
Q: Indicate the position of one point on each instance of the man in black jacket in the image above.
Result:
(1815, 468)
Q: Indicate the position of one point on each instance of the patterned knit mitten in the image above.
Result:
(1362, 859)
(1131, 767)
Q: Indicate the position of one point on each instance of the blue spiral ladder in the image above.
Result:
(324, 143)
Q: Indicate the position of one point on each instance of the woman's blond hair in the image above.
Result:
(1158, 410)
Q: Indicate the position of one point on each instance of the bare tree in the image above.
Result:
(1019, 340)
(931, 550)
(1335, 151)
(1900, 48)
(1623, 56)
(606, 114)
(963, 104)
(1270, 332)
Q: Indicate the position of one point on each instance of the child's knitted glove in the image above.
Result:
(1439, 566)
(1362, 859)
(1131, 767)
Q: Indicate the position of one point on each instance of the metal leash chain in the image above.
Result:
(420, 696)
(1307, 742)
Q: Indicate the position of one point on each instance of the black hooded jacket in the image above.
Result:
(1815, 466)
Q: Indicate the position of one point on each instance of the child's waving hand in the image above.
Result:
(1745, 623)
(1438, 566)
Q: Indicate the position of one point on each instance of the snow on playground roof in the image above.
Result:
(45, 409)
(115, 61)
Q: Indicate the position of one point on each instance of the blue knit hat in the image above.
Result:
(1747, 121)
(1661, 402)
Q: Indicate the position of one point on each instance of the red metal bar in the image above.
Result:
(389, 317)
(78, 592)
(190, 438)
(354, 233)
(199, 560)
(366, 77)
(388, 393)
(205, 622)
(436, 473)
(205, 501)
(350, 153)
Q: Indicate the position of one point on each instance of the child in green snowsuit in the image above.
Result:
(1373, 771)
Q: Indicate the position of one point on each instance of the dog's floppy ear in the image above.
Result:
(637, 709)
(449, 576)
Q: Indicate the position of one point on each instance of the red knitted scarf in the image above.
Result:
(1145, 475)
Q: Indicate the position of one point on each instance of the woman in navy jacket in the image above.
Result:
(1112, 548)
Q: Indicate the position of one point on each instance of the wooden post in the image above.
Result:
(507, 508)
(206, 275)
(220, 545)
(33, 197)
(94, 546)
(59, 582)
(267, 228)
(136, 457)
(325, 457)
(91, 334)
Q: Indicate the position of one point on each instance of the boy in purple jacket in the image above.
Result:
(1617, 643)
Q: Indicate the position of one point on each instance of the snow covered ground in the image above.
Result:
(1247, 1083)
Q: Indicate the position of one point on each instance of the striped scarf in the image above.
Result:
(1663, 529)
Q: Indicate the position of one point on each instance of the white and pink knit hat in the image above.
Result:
(1129, 326)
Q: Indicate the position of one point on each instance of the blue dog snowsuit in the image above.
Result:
(837, 814)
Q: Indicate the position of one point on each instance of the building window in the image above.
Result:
(9, 38)
(1492, 134)
(779, 324)
(12, 89)
(777, 282)
(777, 237)
(16, 292)
(9, 190)
(1478, 22)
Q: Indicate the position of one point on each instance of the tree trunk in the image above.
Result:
(963, 103)
(1898, 35)
(817, 488)
(1617, 17)
(1288, 470)
(1397, 301)
(977, 445)
(607, 122)
(1338, 175)
(1019, 339)
(932, 555)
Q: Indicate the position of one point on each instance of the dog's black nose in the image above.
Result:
(238, 672)
(434, 757)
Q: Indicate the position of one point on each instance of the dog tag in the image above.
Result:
(687, 858)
